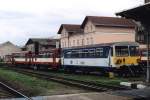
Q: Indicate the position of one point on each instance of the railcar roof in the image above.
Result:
(106, 45)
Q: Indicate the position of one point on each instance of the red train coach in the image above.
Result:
(42, 60)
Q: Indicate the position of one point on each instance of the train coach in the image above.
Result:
(121, 57)
(42, 60)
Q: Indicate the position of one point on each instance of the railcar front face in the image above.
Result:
(125, 56)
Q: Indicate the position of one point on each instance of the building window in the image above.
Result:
(77, 42)
(70, 43)
(91, 28)
(64, 44)
(87, 41)
(73, 42)
(91, 40)
(87, 28)
(82, 42)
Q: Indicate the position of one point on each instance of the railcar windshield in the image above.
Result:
(121, 51)
(134, 50)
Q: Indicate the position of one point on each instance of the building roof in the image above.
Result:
(72, 28)
(141, 13)
(8, 43)
(108, 21)
(42, 41)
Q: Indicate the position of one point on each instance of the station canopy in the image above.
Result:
(141, 13)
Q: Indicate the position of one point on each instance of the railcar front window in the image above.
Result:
(121, 51)
(134, 51)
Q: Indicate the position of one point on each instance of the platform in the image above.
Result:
(136, 94)
(81, 96)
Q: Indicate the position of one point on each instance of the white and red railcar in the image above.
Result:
(45, 59)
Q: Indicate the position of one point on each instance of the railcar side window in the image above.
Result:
(99, 52)
(85, 53)
(91, 53)
(74, 54)
(122, 51)
(67, 54)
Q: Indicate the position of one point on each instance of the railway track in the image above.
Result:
(99, 87)
(12, 92)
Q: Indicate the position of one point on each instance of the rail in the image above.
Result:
(13, 91)
(78, 83)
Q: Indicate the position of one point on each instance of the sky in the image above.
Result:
(24, 19)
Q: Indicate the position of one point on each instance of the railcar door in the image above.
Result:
(110, 56)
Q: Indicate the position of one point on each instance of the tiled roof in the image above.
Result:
(109, 21)
(70, 28)
(42, 41)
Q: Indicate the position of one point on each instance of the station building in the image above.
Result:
(8, 48)
(96, 30)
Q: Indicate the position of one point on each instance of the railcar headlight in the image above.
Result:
(138, 60)
(119, 61)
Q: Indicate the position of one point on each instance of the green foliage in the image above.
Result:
(37, 86)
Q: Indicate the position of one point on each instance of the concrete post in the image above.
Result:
(148, 55)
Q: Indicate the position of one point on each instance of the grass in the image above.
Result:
(96, 79)
(35, 85)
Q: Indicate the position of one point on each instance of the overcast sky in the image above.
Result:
(23, 19)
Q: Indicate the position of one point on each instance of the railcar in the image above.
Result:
(45, 59)
(119, 57)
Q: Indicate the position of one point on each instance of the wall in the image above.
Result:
(30, 47)
(97, 35)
